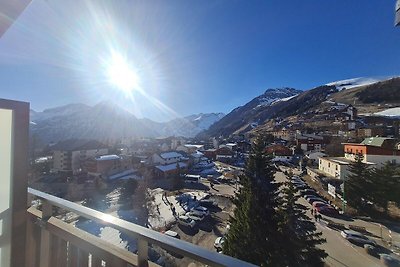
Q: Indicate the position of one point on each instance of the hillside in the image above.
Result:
(369, 95)
(251, 114)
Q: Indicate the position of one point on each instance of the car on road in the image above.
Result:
(195, 216)
(202, 209)
(356, 237)
(218, 243)
(186, 221)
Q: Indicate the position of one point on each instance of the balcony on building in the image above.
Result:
(33, 235)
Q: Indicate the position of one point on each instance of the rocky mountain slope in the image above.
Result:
(367, 94)
(107, 121)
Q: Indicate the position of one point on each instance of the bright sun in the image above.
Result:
(121, 74)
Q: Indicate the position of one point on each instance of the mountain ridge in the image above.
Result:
(105, 121)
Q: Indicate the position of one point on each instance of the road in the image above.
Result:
(341, 252)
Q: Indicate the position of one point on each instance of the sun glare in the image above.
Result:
(121, 74)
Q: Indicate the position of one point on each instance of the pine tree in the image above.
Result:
(177, 181)
(299, 232)
(253, 234)
(357, 183)
(385, 181)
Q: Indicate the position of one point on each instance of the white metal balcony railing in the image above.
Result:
(53, 242)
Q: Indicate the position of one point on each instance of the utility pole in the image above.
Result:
(397, 14)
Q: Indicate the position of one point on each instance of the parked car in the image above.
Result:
(356, 237)
(195, 216)
(308, 191)
(207, 203)
(327, 210)
(315, 199)
(318, 204)
(300, 186)
(202, 209)
(218, 243)
(172, 234)
(186, 221)
(307, 196)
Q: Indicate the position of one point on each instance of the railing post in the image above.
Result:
(142, 253)
(45, 243)
(32, 243)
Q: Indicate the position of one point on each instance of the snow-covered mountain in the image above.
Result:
(252, 113)
(108, 121)
(285, 102)
(356, 82)
(191, 125)
(272, 96)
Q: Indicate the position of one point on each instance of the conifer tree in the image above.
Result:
(253, 234)
(357, 183)
(385, 182)
(299, 232)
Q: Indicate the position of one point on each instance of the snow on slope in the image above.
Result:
(391, 112)
(355, 82)
(272, 96)
(285, 99)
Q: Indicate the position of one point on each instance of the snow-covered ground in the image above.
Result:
(391, 112)
(161, 214)
(355, 82)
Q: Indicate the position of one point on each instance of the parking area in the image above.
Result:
(341, 251)
(205, 232)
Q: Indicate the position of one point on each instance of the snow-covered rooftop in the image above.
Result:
(172, 154)
(170, 167)
(197, 154)
(194, 146)
(107, 157)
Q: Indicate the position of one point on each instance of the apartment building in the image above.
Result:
(69, 155)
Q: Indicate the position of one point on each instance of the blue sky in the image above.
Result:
(192, 56)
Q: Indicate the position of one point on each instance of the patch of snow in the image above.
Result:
(391, 112)
(285, 99)
(265, 101)
(161, 214)
(253, 125)
(356, 82)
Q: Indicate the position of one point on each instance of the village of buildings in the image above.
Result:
(209, 169)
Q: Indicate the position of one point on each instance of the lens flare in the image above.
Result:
(121, 74)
